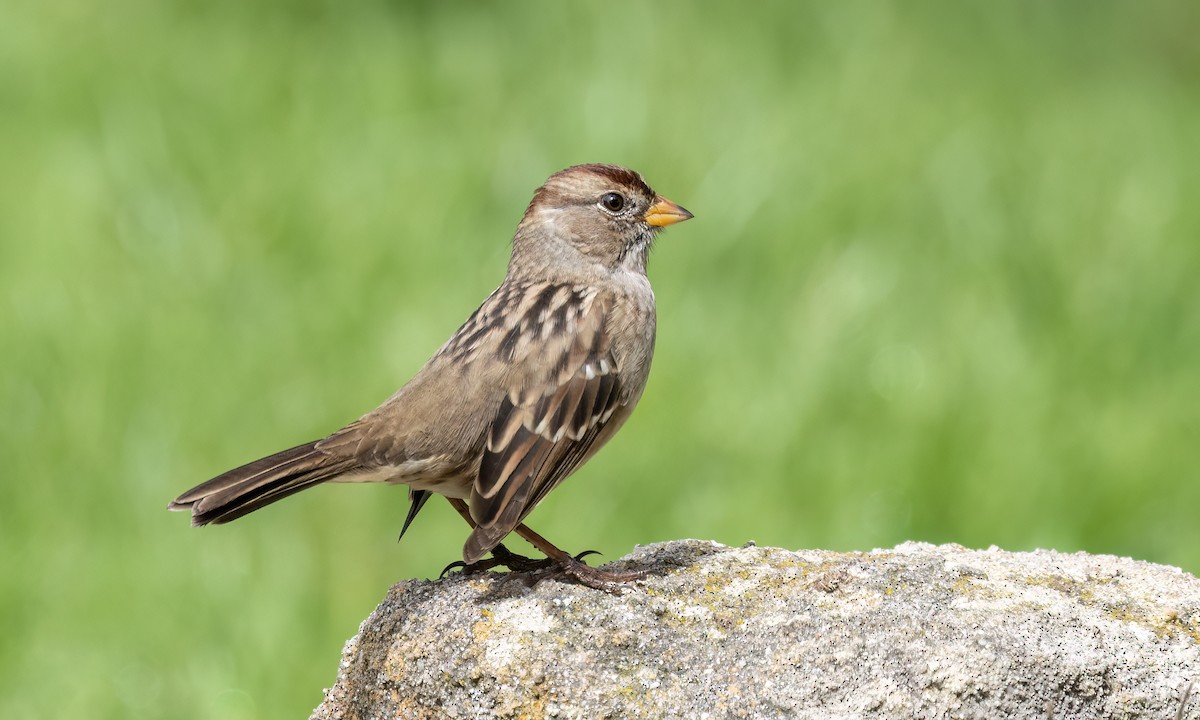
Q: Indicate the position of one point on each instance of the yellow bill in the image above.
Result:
(664, 212)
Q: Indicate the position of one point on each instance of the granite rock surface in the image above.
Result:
(917, 631)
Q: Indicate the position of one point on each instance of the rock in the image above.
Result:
(754, 632)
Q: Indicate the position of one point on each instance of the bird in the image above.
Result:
(527, 390)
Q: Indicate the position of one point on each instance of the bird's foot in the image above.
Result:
(501, 557)
(610, 581)
(573, 567)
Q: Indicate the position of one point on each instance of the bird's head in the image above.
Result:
(591, 217)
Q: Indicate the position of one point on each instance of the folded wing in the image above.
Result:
(547, 425)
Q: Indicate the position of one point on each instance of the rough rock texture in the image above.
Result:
(915, 632)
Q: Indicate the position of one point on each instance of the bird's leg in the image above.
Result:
(501, 556)
(572, 566)
(607, 580)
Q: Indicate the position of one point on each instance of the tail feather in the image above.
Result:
(256, 484)
(245, 489)
(417, 500)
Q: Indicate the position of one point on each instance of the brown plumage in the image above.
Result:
(526, 391)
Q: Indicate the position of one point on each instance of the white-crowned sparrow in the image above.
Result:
(529, 388)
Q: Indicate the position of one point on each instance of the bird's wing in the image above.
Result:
(562, 390)
(437, 422)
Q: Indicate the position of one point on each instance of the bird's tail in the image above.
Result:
(258, 484)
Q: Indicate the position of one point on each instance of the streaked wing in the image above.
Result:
(548, 423)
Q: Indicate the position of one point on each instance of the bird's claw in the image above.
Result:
(451, 566)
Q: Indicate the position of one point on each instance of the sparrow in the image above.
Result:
(536, 381)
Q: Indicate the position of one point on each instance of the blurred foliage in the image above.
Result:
(941, 285)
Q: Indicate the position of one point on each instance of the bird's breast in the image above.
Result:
(632, 327)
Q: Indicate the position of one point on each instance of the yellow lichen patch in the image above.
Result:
(820, 568)
(1151, 617)
(1174, 622)
(1164, 625)
(482, 630)
(790, 564)
(1070, 587)
(534, 709)
(964, 586)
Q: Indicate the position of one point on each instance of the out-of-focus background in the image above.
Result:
(941, 286)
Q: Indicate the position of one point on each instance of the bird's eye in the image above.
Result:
(613, 202)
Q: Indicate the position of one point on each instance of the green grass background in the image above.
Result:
(941, 286)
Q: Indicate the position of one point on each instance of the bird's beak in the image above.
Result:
(664, 212)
